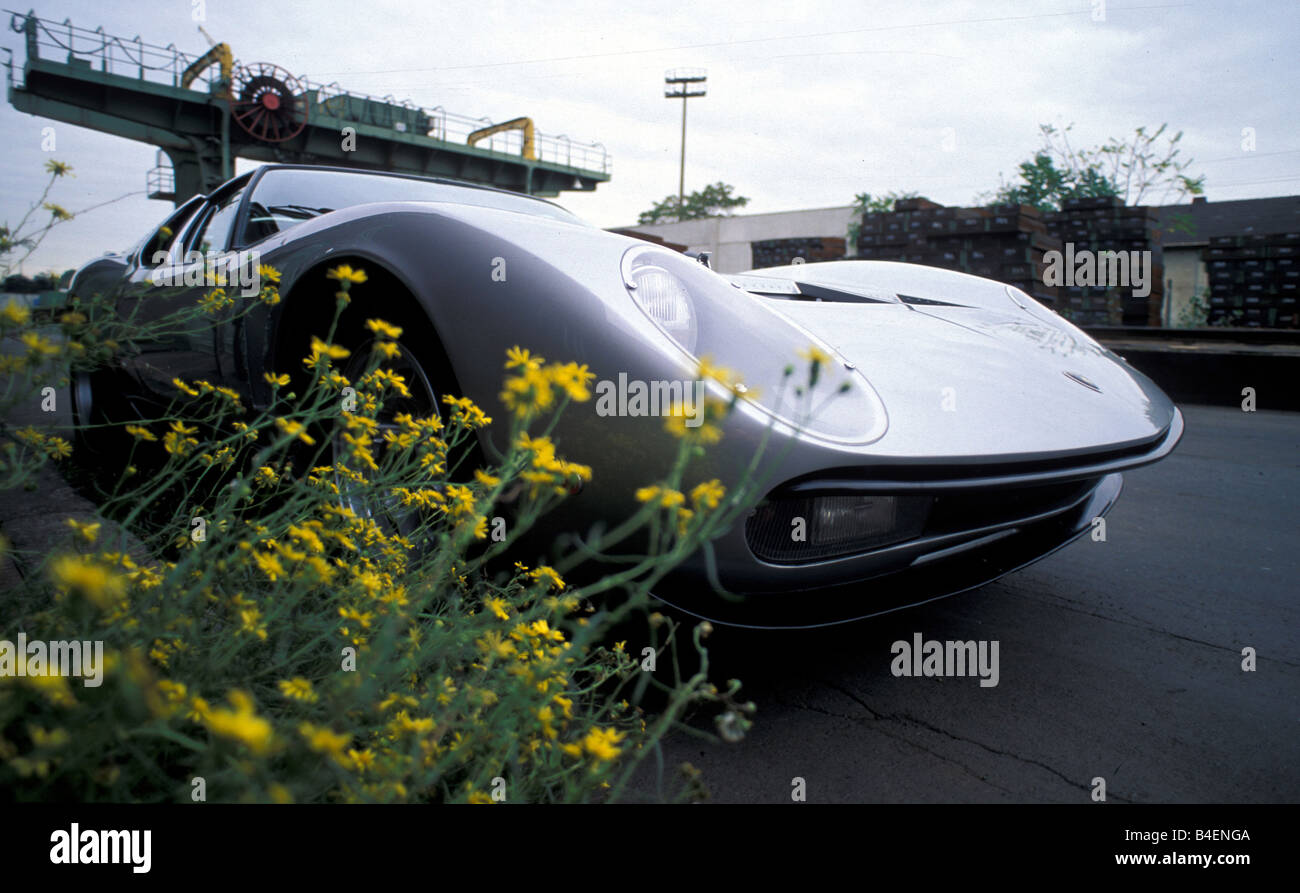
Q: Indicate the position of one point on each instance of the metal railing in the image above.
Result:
(437, 123)
(160, 180)
(107, 53)
(96, 50)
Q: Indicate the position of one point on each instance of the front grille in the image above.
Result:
(960, 510)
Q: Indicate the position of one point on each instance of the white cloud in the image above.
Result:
(808, 103)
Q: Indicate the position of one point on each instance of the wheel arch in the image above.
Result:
(384, 295)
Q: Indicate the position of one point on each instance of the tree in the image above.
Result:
(1047, 186)
(864, 203)
(716, 200)
(1139, 168)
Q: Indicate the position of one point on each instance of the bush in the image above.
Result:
(302, 605)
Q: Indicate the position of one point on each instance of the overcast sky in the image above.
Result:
(808, 102)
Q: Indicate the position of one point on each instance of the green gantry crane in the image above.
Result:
(203, 111)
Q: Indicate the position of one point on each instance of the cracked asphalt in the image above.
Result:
(1119, 659)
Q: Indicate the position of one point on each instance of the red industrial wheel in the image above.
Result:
(268, 102)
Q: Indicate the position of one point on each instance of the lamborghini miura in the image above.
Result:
(961, 429)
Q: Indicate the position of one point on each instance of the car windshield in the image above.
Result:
(153, 250)
(285, 197)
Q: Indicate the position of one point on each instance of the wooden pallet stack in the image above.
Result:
(1003, 242)
(1105, 224)
(779, 252)
(1254, 280)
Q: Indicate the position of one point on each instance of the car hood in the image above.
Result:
(968, 369)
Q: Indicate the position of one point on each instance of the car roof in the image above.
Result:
(444, 181)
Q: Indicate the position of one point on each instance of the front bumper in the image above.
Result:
(1001, 514)
(905, 575)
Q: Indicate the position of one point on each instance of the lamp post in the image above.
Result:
(684, 83)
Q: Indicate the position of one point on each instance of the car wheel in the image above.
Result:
(98, 410)
(429, 377)
(424, 401)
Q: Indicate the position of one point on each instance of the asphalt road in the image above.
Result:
(1119, 659)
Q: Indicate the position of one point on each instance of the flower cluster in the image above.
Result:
(345, 628)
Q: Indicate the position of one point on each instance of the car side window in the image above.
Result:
(214, 235)
(286, 197)
(264, 222)
(156, 250)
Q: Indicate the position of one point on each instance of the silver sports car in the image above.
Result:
(960, 430)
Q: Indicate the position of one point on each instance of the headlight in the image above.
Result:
(662, 296)
(834, 525)
(704, 315)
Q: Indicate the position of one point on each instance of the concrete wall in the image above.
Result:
(1185, 274)
(729, 237)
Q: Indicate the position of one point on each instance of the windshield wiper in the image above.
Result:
(302, 212)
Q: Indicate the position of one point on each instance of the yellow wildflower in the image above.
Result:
(708, 494)
(521, 358)
(15, 313)
(547, 574)
(294, 429)
(38, 345)
(88, 532)
(182, 386)
(345, 273)
(251, 622)
(298, 689)
(665, 496)
(322, 740)
(241, 724)
(383, 329)
(600, 743)
(572, 379)
(815, 355)
(92, 580)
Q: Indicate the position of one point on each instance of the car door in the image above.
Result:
(162, 296)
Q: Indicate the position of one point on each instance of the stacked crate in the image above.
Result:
(779, 252)
(1105, 224)
(1254, 280)
(1003, 242)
